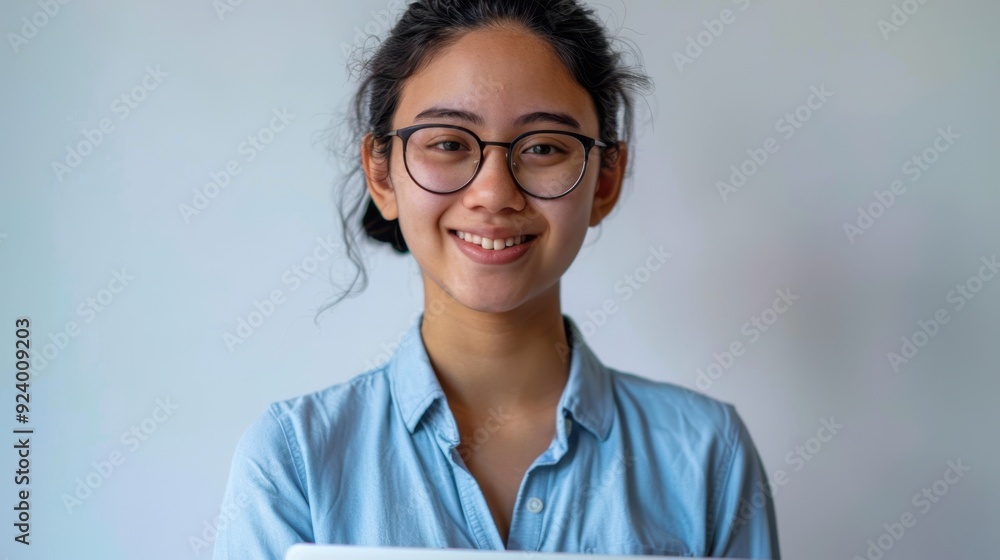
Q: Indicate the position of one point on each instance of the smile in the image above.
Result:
(493, 244)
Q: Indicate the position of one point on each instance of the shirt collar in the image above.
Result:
(587, 397)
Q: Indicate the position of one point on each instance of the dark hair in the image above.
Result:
(574, 32)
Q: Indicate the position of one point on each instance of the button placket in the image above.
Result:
(473, 503)
(529, 513)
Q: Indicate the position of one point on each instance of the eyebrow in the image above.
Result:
(524, 120)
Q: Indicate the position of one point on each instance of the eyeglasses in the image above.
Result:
(444, 159)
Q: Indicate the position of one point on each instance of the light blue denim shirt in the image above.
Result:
(636, 467)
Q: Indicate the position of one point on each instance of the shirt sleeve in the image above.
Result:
(745, 525)
(265, 509)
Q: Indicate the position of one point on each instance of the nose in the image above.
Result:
(494, 187)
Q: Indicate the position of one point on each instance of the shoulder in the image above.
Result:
(670, 401)
(689, 418)
(290, 429)
(335, 401)
(690, 432)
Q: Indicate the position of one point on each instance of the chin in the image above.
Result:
(494, 297)
(488, 303)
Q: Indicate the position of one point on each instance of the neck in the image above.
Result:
(514, 359)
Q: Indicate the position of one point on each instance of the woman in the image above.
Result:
(492, 143)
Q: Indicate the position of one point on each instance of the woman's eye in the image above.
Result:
(448, 145)
(542, 150)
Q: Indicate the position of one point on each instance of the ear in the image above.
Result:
(609, 182)
(376, 168)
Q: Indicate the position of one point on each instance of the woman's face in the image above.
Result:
(485, 82)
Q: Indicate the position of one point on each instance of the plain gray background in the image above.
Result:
(153, 356)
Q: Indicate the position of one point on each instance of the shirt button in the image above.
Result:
(569, 426)
(535, 505)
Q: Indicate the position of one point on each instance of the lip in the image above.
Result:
(486, 256)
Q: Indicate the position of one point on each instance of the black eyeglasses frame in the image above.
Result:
(588, 144)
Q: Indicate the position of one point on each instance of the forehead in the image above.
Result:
(500, 75)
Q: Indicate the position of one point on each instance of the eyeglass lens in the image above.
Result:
(445, 159)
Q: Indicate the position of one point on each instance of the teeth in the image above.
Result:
(491, 244)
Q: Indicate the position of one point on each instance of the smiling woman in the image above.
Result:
(492, 136)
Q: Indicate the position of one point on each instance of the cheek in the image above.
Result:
(573, 236)
(574, 215)
(419, 214)
(567, 230)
